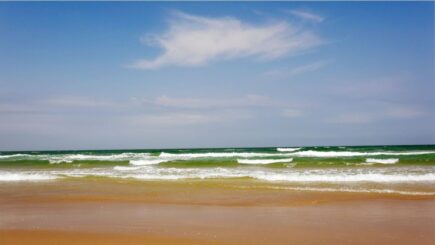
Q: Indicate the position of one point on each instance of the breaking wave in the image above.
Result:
(375, 175)
(17, 176)
(69, 158)
(312, 153)
(288, 149)
(218, 155)
(148, 161)
(263, 161)
(382, 161)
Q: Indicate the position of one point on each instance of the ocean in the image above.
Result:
(404, 170)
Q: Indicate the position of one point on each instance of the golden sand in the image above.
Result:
(206, 212)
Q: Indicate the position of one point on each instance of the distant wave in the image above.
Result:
(312, 153)
(80, 157)
(263, 161)
(219, 155)
(288, 149)
(382, 161)
(14, 155)
(147, 158)
(69, 158)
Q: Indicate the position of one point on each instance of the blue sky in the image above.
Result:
(221, 74)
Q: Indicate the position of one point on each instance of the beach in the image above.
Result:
(279, 195)
(206, 212)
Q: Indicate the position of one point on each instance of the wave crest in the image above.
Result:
(382, 161)
(218, 155)
(287, 149)
(264, 161)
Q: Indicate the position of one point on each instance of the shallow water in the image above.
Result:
(388, 169)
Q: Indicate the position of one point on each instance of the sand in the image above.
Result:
(106, 211)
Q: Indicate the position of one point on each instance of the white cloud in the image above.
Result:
(195, 40)
(307, 15)
(198, 103)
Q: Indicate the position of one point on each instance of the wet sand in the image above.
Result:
(206, 212)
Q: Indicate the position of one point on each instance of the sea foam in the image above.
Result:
(68, 158)
(263, 161)
(11, 177)
(148, 161)
(312, 153)
(218, 155)
(369, 190)
(408, 175)
(288, 149)
(382, 161)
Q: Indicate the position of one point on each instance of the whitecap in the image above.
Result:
(148, 161)
(288, 149)
(312, 153)
(14, 156)
(382, 161)
(218, 155)
(263, 161)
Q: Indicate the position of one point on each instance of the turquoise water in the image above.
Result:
(389, 168)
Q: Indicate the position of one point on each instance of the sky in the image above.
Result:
(144, 75)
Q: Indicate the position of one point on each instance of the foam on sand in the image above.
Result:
(11, 177)
(369, 177)
(380, 191)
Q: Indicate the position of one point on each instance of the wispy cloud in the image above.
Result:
(195, 40)
(287, 72)
(406, 111)
(291, 113)
(305, 15)
(380, 112)
(198, 103)
(352, 118)
(190, 117)
(77, 101)
(55, 103)
(158, 110)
